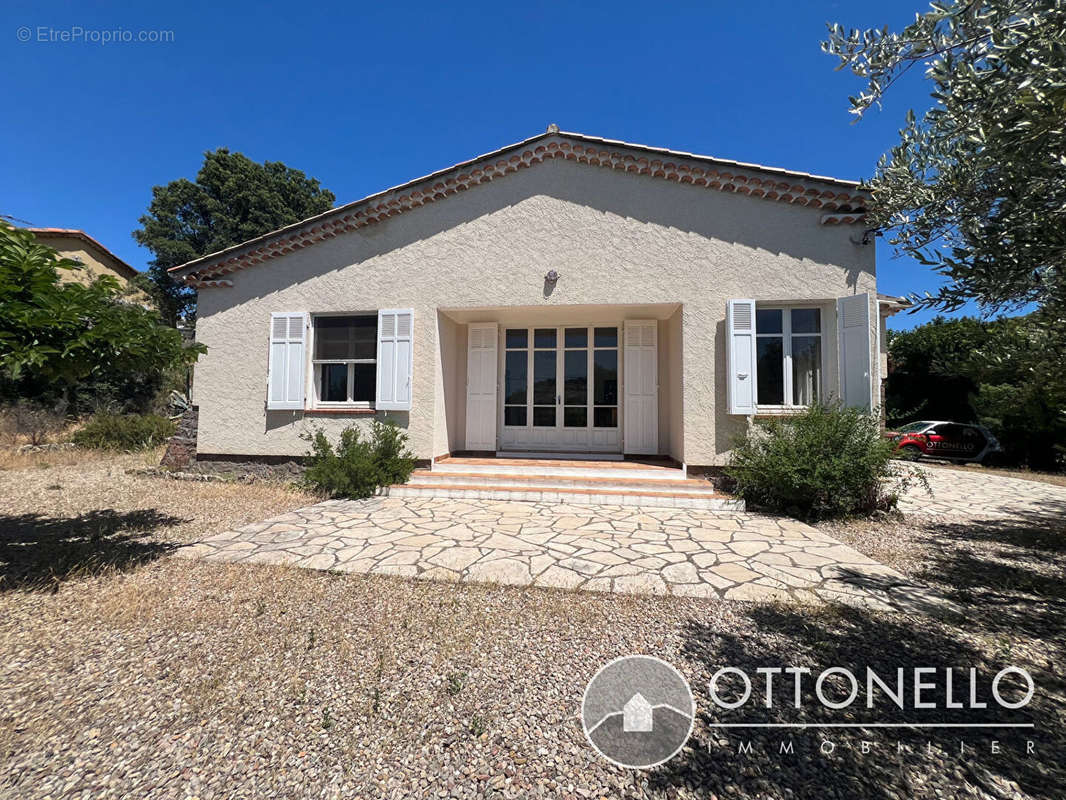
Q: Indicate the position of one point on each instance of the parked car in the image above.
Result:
(954, 441)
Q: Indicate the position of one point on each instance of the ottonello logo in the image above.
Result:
(638, 711)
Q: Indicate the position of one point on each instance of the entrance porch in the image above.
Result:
(566, 380)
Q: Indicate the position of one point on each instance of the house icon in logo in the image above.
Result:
(637, 715)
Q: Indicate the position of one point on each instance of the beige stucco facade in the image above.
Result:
(96, 260)
(625, 246)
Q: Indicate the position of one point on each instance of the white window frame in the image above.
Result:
(786, 349)
(316, 366)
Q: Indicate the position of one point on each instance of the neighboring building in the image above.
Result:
(563, 294)
(96, 260)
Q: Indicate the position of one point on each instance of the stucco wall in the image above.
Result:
(93, 265)
(614, 237)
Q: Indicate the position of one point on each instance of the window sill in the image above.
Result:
(348, 412)
(779, 411)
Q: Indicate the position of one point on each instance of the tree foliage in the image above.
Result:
(1005, 373)
(233, 199)
(55, 336)
(976, 188)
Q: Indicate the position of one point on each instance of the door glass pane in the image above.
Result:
(605, 377)
(575, 416)
(544, 416)
(606, 337)
(514, 415)
(365, 382)
(544, 377)
(577, 337)
(515, 377)
(771, 365)
(806, 369)
(806, 320)
(768, 320)
(517, 337)
(334, 383)
(576, 378)
(544, 337)
(606, 417)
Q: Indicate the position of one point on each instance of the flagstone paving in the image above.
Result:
(980, 495)
(623, 549)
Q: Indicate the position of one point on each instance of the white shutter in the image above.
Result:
(481, 385)
(853, 324)
(395, 335)
(740, 356)
(641, 384)
(285, 366)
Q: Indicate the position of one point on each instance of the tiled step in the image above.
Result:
(649, 494)
(708, 502)
(531, 480)
(560, 468)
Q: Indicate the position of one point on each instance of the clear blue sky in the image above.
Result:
(367, 95)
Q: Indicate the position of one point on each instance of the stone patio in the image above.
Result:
(977, 495)
(693, 553)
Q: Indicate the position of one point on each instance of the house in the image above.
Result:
(96, 260)
(564, 294)
(637, 715)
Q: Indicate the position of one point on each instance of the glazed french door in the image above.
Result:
(561, 388)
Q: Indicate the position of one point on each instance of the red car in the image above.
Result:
(953, 441)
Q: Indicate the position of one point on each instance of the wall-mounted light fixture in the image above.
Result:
(552, 276)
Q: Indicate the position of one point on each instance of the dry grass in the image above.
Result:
(161, 677)
(80, 512)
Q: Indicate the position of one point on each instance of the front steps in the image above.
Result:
(560, 480)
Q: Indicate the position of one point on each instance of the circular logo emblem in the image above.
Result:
(638, 711)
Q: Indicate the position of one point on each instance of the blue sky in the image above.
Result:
(364, 96)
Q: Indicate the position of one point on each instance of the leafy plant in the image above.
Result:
(58, 337)
(976, 187)
(826, 461)
(124, 432)
(358, 466)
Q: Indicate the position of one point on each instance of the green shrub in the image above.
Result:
(124, 432)
(358, 466)
(826, 461)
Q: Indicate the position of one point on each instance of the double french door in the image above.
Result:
(561, 388)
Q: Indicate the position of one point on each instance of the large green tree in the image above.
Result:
(976, 187)
(233, 199)
(56, 336)
(1005, 373)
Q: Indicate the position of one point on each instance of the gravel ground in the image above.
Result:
(148, 676)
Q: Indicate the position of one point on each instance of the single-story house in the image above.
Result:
(564, 294)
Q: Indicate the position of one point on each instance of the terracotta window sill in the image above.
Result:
(345, 412)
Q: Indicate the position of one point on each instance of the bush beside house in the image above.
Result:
(825, 461)
(358, 466)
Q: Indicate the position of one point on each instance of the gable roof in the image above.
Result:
(116, 263)
(844, 199)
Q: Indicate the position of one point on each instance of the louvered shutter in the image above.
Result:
(641, 384)
(853, 323)
(395, 338)
(481, 411)
(285, 366)
(740, 356)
